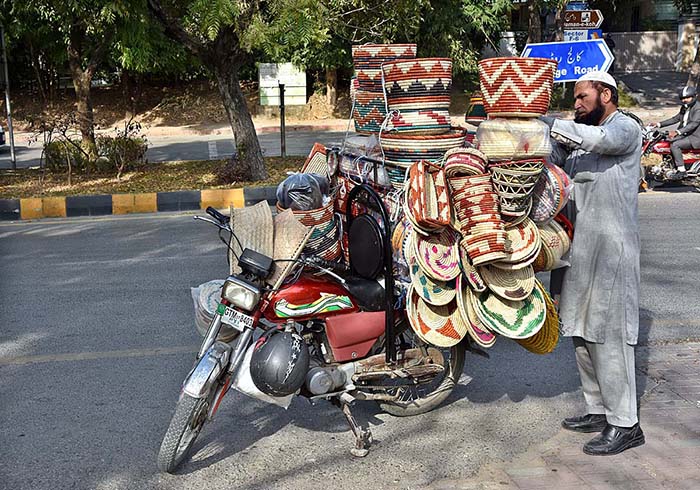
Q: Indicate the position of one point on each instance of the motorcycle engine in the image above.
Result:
(322, 376)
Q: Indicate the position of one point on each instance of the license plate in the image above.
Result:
(234, 318)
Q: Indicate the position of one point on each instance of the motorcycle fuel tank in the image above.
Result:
(307, 298)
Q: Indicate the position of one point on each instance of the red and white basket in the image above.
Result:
(516, 87)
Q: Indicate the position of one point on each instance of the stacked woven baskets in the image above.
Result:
(515, 90)
(369, 109)
(472, 264)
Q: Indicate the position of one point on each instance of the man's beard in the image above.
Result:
(592, 118)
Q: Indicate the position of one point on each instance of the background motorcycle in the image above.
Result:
(656, 142)
(362, 351)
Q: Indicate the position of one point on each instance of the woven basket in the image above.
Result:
(368, 59)
(477, 331)
(514, 285)
(550, 194)
(438, 254)
(512, 319)
(438, 293)
(441, 326)
(519, 87)
(522, 246)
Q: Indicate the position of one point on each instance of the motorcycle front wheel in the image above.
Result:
(417, 399)
(186, 424)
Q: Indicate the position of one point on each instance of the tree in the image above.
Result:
(86, 29)
(222, 34)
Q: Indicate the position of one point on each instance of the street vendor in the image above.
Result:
(599, 305)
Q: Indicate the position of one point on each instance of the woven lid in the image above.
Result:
(512, 284)
(475, 328)
(441, 326)
(513, 319)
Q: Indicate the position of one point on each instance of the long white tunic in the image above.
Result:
(600, 291)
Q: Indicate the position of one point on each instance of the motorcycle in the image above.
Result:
(358, 345)
(656, 142)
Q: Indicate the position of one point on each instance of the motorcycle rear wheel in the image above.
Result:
(186, 424)
(419, 399)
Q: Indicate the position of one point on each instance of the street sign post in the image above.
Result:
(574, 58)
(582, 34)
(582, 19)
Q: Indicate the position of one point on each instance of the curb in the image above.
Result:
(303, 127)
(152, 202)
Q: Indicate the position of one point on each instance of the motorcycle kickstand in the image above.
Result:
(363, 437)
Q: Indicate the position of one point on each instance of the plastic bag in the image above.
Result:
(512, 139)
(302, 192)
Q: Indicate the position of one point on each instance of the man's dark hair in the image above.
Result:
(599, 86)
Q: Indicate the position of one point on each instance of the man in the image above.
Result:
(688, 134)
(599, 305)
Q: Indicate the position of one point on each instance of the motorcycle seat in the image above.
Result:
(368, 293)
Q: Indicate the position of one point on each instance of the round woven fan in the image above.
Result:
(437, 293)
(437, 254)
(513, 319)
(478, 332)
(544, 341)
(522, 246)
(513, 284)
(437, 325)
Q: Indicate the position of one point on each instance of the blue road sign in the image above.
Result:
(574, 58)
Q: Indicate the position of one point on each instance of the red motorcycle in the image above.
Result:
(657, 142)
(328, 333)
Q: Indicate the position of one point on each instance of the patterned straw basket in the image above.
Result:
(550, 194)
(324, 240)
(544, 341)
(402, 150)
(513, 319)
(441, 326)
(517, 87)
(419, 91)
(368, 60)
(369, 111)
(475, 328)
(555, 243)
(464, 161)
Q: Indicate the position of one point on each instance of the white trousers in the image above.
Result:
(608, 378)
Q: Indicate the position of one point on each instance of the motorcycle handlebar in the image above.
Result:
(327, 264)
(221, 218)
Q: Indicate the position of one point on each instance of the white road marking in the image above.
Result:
(213, 152)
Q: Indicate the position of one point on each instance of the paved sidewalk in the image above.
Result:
(668, 377)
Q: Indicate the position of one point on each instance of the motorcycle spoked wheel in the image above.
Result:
(186, 424)
(421, 398)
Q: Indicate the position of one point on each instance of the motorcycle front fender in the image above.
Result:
(215, 361)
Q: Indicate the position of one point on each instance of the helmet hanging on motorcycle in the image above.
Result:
(279, 363)
(688, 92)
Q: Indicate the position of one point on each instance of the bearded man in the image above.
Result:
(599, 305)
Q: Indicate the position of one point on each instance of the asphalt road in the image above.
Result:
(190, 147)
(96, 336)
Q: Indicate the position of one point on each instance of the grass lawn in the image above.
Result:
(154, 177)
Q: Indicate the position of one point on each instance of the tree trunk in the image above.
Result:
(250, 159)
(37, 72)
(86, 124)
(332, 86)
(534, 26)
(559, 21)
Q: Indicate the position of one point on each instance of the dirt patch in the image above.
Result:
(161, 177)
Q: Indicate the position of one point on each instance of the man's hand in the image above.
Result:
(673, 134)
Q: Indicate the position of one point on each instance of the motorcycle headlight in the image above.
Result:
(240, 293)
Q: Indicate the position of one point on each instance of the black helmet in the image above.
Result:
(279, 363)
(687, 92)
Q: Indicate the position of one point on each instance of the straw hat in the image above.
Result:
(441, 326)
(435, 292)
(544, 341)
(513, 284)
(478, 332)
(513, 319)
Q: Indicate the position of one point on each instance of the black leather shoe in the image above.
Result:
(593, 422)
(614, 440)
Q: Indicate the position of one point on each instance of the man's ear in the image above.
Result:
(606, 95)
